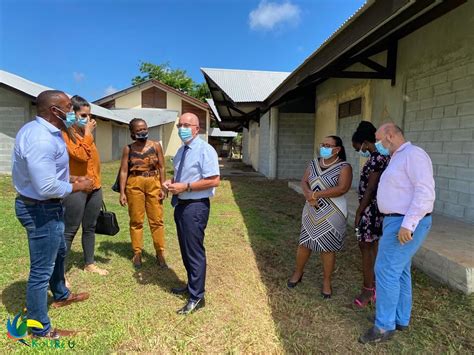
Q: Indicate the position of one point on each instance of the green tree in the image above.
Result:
(176, 78)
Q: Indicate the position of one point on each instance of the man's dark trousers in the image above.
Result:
(191, 221)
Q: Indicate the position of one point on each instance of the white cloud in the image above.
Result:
(78, 77)
(269, 15)
(110, 90)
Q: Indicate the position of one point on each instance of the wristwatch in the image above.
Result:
(188, 189)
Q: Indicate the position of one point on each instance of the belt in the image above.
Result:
(144, 173)
(401, 215)
(35, 201)
(187, 202)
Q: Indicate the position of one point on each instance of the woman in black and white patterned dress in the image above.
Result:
(323, 226)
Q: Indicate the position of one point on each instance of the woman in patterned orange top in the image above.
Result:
(142, 173)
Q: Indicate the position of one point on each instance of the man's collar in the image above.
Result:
(194, 142)
(52, 128)
(402, 147)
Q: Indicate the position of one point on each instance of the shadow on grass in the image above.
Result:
(14, 297)
(305, 322)
(150, 272)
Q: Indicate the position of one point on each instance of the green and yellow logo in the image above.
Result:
(18, 328)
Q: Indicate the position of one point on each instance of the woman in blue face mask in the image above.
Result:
(324, 223)
(82, 209)
(368, 220)
(142, 174)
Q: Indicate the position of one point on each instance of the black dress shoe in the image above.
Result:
(180, 290)
(398, 327)
(290, 284)
(326, 296)
(374, 335)
(191, 306)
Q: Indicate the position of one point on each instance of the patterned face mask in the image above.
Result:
(142, 136)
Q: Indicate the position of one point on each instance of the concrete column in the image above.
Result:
(273, 143)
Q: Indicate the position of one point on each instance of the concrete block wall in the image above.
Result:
(264, 145)
(295, 144)
(15, 111)
(439, 117)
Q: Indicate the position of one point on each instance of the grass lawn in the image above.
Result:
(251, 241)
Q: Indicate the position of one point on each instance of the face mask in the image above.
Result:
(143, 136)
(381, 149)
(81, 122)
(325, 152)
(185, 134)
(70, 118)
(363, 154)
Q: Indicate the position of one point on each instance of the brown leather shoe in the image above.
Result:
(55, 334)
(137, 260)
(73, 297)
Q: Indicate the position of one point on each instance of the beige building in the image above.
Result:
(411, 62)
(154, 94)
(17, 107)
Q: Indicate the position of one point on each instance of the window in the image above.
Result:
(350, 108)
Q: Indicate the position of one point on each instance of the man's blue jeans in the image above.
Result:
(393, 274)
(44, 224)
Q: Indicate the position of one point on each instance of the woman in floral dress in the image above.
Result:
(368, 220)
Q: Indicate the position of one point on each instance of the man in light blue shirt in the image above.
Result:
(196, 176)
(41, 177)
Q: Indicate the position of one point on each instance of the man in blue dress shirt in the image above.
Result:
(41, 177)
(196, 176)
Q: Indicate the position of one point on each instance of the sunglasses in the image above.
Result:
(84, 115)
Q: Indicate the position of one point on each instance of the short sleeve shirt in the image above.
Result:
(200, 162)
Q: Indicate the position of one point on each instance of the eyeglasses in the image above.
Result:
(185, 125)
(326, 145)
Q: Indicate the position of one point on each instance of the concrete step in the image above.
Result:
(447, 255)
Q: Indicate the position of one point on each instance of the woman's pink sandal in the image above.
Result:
(358, 303)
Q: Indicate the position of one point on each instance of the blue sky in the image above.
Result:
(92, 48)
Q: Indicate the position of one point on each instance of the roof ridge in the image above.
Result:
(248, 70)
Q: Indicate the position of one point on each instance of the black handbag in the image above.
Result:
(106, 222)
(116, 185)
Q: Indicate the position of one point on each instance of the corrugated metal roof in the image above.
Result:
(246, 85)
(216, 132)
(154, 117)
(213, 108)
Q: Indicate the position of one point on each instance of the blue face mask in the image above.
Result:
(381, 149)
(363, 154)
(70, 117)
(325, 152)
(81, 122)
(185, 134)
